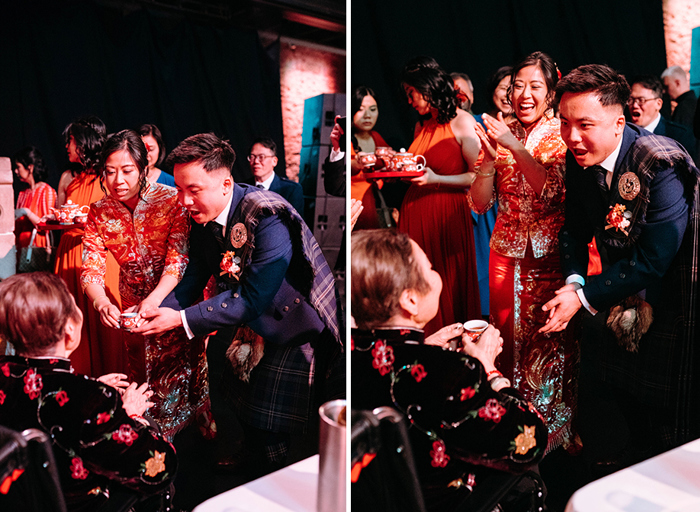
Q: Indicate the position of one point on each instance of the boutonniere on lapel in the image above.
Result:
(230, 265)
(618, 218)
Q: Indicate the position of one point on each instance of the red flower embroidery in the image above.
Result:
(32, 384)
(61, 398)
(77, 470)
(2, 397)
(383, 357)
(418, 372)
(6, 370)
(103, 417)
(440, 458)
(53, 361)
(125, 435)
(467, 393)
(492, 410)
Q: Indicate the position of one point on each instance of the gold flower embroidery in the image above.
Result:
(525, 440)
(156, 464)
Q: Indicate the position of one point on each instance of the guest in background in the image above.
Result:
(146, 229)
(465, 418)
(262, 158)
(464, 84)
(33, 203)
(102, 444)
(365, 112)
(677, 86)
(102, 350)
(150, 134)
(497, 94)
(435, 213)
(524, 166)
(644, 107)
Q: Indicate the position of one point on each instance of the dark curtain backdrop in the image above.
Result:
(62, 61)
(478, 37)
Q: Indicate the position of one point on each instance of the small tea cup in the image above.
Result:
(128, 321)
(474, 328)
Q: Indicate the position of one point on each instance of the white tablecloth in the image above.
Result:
(292, 489)
(665, 483)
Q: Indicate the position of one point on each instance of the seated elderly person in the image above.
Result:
(465, 418)
(101, 443)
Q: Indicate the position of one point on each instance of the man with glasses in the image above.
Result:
(262, 158)
(644, 107)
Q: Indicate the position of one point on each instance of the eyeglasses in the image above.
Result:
(259, 158)
(639, 101)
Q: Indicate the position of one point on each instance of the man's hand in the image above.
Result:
(158, 320)
(561, 308)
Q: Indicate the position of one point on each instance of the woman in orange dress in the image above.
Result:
(524, 166)
(435, 213)
(34, 202)
(364, 140)
(147, 230)
(102, 350)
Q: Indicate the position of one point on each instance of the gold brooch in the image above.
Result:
(629, 186)
(239, 235)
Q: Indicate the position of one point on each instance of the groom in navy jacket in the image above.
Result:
(637, 194)
(275, 304)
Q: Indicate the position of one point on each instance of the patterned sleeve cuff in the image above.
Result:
(481, 211)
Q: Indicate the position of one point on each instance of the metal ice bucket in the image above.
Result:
(331, 471)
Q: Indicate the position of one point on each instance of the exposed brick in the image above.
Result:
(304, 72)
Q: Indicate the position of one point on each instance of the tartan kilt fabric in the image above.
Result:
(665, 373)
(280, 394)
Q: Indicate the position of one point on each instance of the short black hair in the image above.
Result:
(651, 82)
(265, 142)
(213, 152)
(609, 85)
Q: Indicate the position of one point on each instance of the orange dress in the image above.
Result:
(101, 349)
(439, 221)
(361, 189)
(39, 201)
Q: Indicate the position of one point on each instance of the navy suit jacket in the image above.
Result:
(268, 300)
(631, 269)
(290, 190)
(677, 132)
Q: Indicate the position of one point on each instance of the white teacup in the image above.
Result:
(474, 328)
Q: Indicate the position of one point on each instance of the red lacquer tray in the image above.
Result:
(380, 175)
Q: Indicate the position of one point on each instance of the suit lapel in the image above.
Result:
(275, 185)
(629, 135)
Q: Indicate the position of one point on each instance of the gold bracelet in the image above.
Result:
(485, 175)
(94, 302)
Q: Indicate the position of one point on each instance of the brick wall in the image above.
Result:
(305, 71)
(680, 18)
